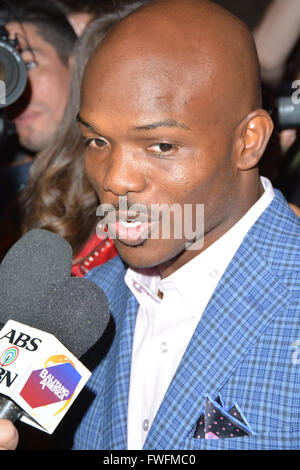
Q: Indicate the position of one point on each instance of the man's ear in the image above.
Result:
(252, 137)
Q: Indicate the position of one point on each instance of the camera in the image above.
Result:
(13, 79)
(289, 110)
(13, 73)
(285, 108)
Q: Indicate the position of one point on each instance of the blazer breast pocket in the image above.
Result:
(271, 439)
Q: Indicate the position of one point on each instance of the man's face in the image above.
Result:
(157, 140)
(38, 112)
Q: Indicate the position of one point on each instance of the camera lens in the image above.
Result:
(13, 74)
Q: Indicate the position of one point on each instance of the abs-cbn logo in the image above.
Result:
(7, 358)
(22, 340)
(17, 340)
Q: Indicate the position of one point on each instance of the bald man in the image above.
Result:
(202, 350)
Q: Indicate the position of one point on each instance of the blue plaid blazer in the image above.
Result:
(244, 348)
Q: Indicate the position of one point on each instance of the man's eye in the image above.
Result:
(94, 143)
(163, 148)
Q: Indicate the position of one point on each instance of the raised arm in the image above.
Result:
(275, 37)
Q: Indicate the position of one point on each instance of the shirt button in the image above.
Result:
(146, 425)
(164, 347)
(213, 273)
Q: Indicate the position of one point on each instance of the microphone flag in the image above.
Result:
(39, 374)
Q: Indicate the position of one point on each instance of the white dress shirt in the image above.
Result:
(165, 326)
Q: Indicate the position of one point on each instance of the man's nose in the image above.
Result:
(124, 173)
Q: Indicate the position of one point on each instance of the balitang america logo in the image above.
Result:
(55, 383)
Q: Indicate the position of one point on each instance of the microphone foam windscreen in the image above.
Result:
(37, 260)
(75, 311)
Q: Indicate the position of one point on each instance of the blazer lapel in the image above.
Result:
(123, 306)
(247, 298)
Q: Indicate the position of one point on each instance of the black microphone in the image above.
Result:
(33, 263)
(74, 311)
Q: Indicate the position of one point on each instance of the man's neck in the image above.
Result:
(211, 235)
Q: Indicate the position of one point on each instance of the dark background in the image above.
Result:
(249, 11)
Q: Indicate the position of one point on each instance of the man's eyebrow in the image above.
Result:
(87, 125)
(155, 125)
(144, 127)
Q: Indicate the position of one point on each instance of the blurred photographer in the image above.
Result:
(38, 30)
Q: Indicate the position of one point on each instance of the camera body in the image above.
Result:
(289, 108)
(13, 73)
(284, 108)
(13, 79)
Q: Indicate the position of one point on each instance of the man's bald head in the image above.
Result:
(207, 43)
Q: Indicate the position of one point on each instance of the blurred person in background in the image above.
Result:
(277, 38)
(41, 29)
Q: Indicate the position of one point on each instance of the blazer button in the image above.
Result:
(146, 425)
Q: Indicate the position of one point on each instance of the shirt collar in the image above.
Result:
(206, 269)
